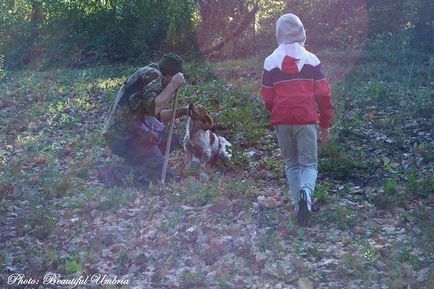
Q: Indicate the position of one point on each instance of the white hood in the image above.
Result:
(284, 55)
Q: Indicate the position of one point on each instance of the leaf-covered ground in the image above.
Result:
(230, 226)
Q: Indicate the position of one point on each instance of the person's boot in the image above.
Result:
(304, 212)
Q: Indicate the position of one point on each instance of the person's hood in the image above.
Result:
(290, 29)
(289, 58)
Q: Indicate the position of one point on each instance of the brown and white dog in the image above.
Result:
(200, 143)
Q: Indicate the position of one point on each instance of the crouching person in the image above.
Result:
(133, 129)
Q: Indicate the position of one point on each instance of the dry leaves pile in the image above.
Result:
(228, 227)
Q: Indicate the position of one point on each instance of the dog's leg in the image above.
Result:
(225, 151)
(196, 161)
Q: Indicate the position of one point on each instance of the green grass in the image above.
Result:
(72, 266)
(50, 144)
(192, 279)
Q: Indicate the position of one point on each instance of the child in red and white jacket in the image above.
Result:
(297, 94)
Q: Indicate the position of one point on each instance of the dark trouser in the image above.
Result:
(147, 163)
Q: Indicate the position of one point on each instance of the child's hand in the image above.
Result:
(323, 134)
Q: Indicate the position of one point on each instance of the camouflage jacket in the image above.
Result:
(135, 98)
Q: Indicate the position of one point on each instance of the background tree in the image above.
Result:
(223, 21)
(47, 33)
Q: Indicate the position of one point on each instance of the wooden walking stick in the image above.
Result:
(168, 144)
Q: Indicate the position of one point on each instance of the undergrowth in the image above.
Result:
(50, 145)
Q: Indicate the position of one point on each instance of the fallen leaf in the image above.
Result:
(305, 283)
(39, 160)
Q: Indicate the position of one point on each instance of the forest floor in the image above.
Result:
(229, 226)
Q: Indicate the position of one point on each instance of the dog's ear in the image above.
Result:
(207, 123)
(190, 106)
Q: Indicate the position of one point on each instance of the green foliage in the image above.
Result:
(239, 159)
(268, 241)
(55, 184)
(2, 71)
(172, 221)
(405, 254)
(270, 164)
(180, 26)
(377, 91)
(201, 193)
(51, 255)
(237, 115)
(237, 186)
(224, 282)
(289, 225)
(69, 177)
(53, 33)
(332, 24)
(79, 33)
(72, 266)
(352, 261)
(427, 152)
(321, 191)
(423, 219)
(114, 198)
(369, 253)
(5, 258)
(247, 129)
(40, 221)
(3, 208)
(339, 23)
(341, 167)
(391, 197)
(344, 218)
(192, 279)
(299, 245)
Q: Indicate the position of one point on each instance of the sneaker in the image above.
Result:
(304, 213)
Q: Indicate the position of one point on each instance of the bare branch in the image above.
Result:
(243, 24)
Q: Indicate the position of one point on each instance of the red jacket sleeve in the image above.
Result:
(267, 90)
(323, 98)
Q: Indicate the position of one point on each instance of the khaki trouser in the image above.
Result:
(298, 144)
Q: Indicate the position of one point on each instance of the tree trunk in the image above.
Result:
(245, 22)
(36, 18)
